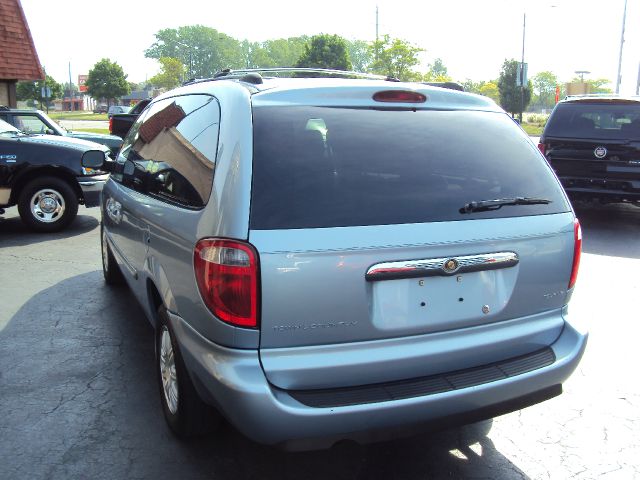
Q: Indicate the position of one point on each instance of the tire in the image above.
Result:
(186, 414)
(110, 268)
(47, 204)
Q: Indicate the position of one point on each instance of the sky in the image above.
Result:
(472, 37)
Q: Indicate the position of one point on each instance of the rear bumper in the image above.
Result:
(605, 189)
(233, 381)
(91, 188)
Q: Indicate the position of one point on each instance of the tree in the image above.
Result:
(325, 51)
(107, 80)
(437, 72)
(26, 91)
(513, 99)
(203, 50)
(471, 86)
(359, 54)
(395, 58)
(283, 52)
(69, 89)
(490, 89)
(544, 88)
(172, 73)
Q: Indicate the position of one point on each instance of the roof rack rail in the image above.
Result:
(594, 95)
(449, 85)
(255, 75)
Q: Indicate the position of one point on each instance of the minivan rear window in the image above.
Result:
(317, 167)
(610, 121)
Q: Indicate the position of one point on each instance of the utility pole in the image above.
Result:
(524, 29)
(624, 21)
(377, 46)
(376, 23)
(70, 90)
(46, 97)
(638, 82)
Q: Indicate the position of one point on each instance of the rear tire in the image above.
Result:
(47, 204)
(186, 414)
(110, 268)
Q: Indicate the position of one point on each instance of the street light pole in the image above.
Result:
(624, 21)
(524, 29)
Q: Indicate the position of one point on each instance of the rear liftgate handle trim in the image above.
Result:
(441, 267)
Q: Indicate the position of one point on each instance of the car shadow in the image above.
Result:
(80, 400)
(14, 233)
(611, 230)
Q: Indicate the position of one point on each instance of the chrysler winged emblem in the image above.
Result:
(450, 266)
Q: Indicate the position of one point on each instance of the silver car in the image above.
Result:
(342, 258)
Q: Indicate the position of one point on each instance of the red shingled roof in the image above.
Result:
(18, 56)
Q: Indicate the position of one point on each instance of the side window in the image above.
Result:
(170, 152)
(30, 124)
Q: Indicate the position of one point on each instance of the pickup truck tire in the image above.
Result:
(186, 414)
(47, 204)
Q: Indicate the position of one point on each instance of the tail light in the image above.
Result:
(542, 147)
(227, 276)
(111, 125)
(577, 250)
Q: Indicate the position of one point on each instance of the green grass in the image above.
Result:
(532, 129)
(92, 130)
(78, 116)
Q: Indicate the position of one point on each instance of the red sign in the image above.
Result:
(557, 93)
(82, 80)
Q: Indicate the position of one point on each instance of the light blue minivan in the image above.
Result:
(342, 258)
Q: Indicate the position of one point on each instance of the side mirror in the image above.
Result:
(93, 159)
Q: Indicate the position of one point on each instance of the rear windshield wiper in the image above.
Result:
(495, 204)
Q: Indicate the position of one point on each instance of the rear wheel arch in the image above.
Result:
(155, 300)
(159, 290)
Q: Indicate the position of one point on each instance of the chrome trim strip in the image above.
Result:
(92, 180)
(431, 267)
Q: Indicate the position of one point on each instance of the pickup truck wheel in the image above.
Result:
(47, 204)
(110, 268)
(186, 414)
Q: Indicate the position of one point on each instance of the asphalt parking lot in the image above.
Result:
(79, 398)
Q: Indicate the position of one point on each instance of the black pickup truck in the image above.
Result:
(38, 122)
(48, 176)
(120, 123)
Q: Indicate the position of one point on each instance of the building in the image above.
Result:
(135, 96)
(18, 56)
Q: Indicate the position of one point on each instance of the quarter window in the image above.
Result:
(170, 152)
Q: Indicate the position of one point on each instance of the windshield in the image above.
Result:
(55, 125)
(7, 128)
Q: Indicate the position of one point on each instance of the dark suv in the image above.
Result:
(593, 144)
